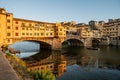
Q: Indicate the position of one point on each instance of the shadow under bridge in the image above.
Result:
(96, 43)
(72, 43)
(43, 45)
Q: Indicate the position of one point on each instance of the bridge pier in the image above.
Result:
(57, 43)
(87, 42)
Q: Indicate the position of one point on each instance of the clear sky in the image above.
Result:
(63, 10)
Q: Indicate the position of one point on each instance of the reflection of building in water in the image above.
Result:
(56, 63)
(61, 66)
(89, 61)
(37, 66)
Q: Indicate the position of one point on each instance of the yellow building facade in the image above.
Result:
(112, 31)
(16, 29)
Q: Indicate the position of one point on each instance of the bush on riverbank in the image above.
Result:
(43, 75)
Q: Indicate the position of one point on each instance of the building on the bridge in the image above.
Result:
(96, 34)
(17, 29)
(4, 24)
(112, 30)
(60, 30)
(85, 31)
(72, 30)
(97, 26)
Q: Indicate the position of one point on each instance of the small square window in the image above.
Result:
(8, 20)
(8, 34)
(16, 34)
(16, 22)
(8, 27)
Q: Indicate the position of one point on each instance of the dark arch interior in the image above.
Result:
(43, 45)
(95, 43)
(72, 42)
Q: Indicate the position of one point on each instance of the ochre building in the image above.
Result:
(15, 29)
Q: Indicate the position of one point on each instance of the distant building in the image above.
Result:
(97, 26)
(112, 30)
(87, 32)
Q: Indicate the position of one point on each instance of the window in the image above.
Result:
(16, 22)
(27, 33)
(23, 28)
(30, 28)
(8, 34)
(30, 33)
(8, 40)
(42, 67)
(16, 28)
(26, 28)
(46, 33)
(42, 34)
(38, 29)
(23, 33)
(8, 27)
(16, 34)
(8, 20)
(38, 34)
(30, 24)
(23, 25)
(36, 24)
(51, 66)
(60, 29)
(51, 29)
(50, 33)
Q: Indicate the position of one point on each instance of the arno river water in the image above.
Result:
(82, 64)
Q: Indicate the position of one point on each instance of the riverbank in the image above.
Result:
(19, 66)
(6, 70)
(24, 74)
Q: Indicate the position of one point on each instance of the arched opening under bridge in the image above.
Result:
(95, 43)
(30, 45)
(72, 43)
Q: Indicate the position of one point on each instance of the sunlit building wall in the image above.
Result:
(112, 31)
(17, 29)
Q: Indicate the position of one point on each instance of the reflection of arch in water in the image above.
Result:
(38, 56)
(88, 61)
(54, 62)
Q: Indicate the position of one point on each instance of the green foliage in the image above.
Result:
(4, 48)
(43, 75)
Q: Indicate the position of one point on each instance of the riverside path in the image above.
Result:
(6, 71)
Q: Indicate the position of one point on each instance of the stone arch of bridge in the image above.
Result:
(43, 45)
(72, 42)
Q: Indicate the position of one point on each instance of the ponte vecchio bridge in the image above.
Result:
(49, 35)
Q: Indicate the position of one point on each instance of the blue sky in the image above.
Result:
(63, 10)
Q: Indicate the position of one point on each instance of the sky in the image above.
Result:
(80, 11)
